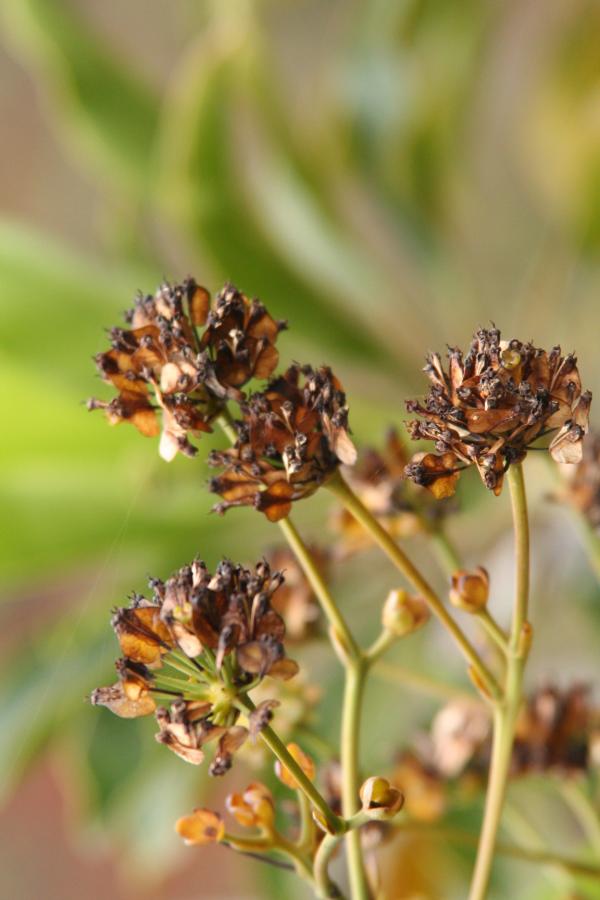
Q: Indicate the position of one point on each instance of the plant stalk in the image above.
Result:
(505, 713)
(355, 506)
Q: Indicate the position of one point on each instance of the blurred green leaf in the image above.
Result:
(106, 107)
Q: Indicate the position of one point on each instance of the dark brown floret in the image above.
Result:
(292, 437)
(491, 405)
(160, 364)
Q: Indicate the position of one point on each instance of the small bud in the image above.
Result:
(470, 589)
(402, 613)
(304, 761)
(254, 808)
(203, 826)
(379, 799)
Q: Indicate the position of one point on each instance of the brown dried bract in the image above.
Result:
(292, 437)
(581, 486)
(490, 406)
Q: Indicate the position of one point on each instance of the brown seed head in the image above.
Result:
(490, 406)
(292, 438)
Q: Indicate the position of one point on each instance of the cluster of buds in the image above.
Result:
(254, 808)
(291, 439)
(379, 479)
(491, 406)
(221, 633)
(163, 363)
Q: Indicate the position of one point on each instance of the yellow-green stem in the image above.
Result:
(349, 754)
(505, 713)
(328, 604)
(280, 751)
(355, 506)
(493, 630)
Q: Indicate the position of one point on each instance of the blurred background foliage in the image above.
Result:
(386, 175)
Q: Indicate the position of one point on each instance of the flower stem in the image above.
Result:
(280, 751)
(505, 713)
(355, 506)
(349, 753)
(493, 630)
(328, 604)
(355, 672)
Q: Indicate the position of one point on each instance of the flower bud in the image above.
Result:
(254, 808)
(470, 589)
(203, 826)
(379, 799)
(403, 613)
(304, 761)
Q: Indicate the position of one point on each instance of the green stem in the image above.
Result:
(326, 888)
(355, 506)
(328, 604)
(505, 713)
(279, 750)
(349, 752)
(380, 645)
(307, 826)
(493, 630)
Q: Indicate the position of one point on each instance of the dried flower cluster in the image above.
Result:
(200, 652)
(221, 632)
(491, 406)
(162, 363)
(291, 438)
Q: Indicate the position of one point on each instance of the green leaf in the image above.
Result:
(108, 111)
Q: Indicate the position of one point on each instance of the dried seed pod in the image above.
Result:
(470, 589)
(380, 800)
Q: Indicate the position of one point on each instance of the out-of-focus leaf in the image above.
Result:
(44, 688)
(202, 187)
(110, 112)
